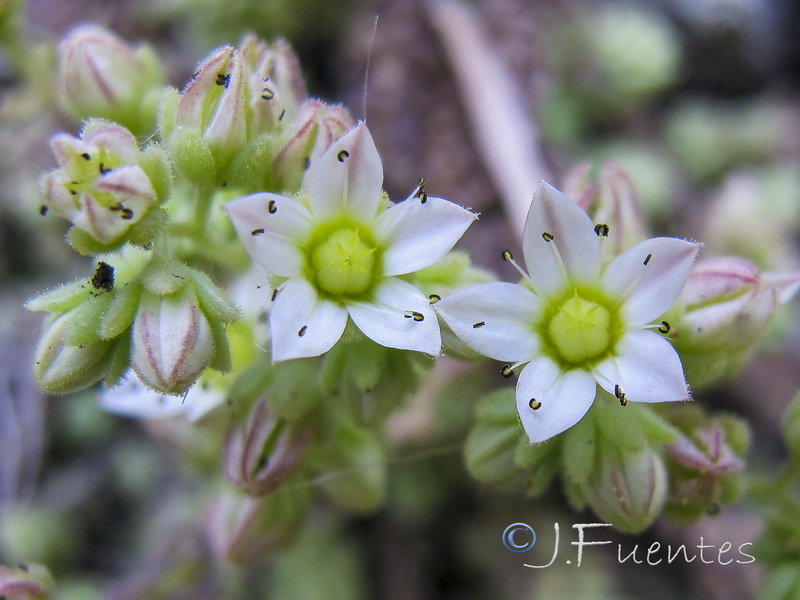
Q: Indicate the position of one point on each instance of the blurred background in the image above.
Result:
(697, 100)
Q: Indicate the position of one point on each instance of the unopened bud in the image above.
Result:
(241, 527)
(104, 185)
(171, 341)
(259, 457)
(608, 196)
(26, 582)
(103, 76)
(726, 305)
(627, 489)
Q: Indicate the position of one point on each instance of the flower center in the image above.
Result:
(344, 262)
(580, 329)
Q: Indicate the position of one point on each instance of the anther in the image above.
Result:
(535, 404)
(104, 169)
(623, 401)
(224, 80)
(507, 371)
(272, 207)
(302, 331)
(478, 325)
(601, 230)
(283, 114)
(127, 214)
(43, 210)
(412, 314)
(548, 237)
(647, 259)
(267, 94)
(103, 278)
(86, 156)
(420, 193)
(664, 327)
(434, 298)
(274, 294)
(257, 231)
(507, 256)
(342, 155)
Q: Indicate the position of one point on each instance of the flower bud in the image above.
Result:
(275, 83)
(105, 186)
(608, 196)
(708, 451)
(627, 489)
(62, 366)
(213, 106)
(261, 456)
(26, 582)
(172, 343)
(241, 527)
(726, 305)
(791, 427)
(492, 444)
(317, 128)
(101, 75)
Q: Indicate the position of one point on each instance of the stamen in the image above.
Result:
(43, 210)
(274, 294)
(509, 258)
(647, 259)
(224, 80)
(534, 404)
(267, 94)
(260, 231)
(620, 395)
(434, 298)
(302, 331)
(86, 156)
(507, 371)
(420, 191)
(601, 230)
(272, 207)
(342, 155)
(548, 237)
(412, 314)
(127, 214)
(478, 325)
(664, 327)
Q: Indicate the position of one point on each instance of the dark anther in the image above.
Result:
(664, 327)
(342, 155)
(274, 294)
(224, 80)
(104, 169)
(535, 404)
(257, 231)
(434, 298)
(127, 214)
(420, 193)
(412, 314)
(272, 207)
(103, 278)
(507, 256)
(478, 325)
(601, 229)
(507, 371)
(302, 331)
(43, 210)
(623, 401)
(306, 163)
(267, 94)
(86, 156)
(547, 237)
(647, 259)
(283, 114)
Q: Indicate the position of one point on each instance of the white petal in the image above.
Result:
(564, 397)
(647, 369)
(271, 227)
(573, 239)
(651, 288)
(302, 324)
(348, 177)
(417, 234)
(506, 312)
(388, 321)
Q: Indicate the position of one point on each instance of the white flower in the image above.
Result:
(339, 251)
(574, 322)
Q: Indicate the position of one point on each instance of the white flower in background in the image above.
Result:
(574, 322)
(132, 398)
(339, 251)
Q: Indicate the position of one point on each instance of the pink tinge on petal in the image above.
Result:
(559, 243)
(347, 178)
(550, 401)
(190, 106)
(114, 139)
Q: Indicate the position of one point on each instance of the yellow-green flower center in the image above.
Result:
(580, 329)
(343, 261)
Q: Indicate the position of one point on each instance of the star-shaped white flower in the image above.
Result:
(340, 252)
(574, 322)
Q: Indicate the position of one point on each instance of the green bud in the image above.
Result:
(791, 428)
(492, 444)
(26, 582)
(101, 75)
(782, 583)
